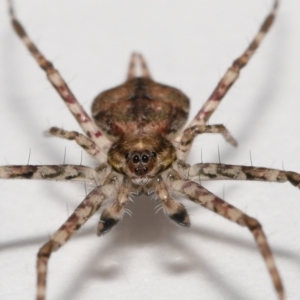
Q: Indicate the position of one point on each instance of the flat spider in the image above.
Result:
(144, 160)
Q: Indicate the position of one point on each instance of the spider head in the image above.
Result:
(141, 157)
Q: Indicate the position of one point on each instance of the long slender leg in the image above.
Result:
(81, 214)
(200, 195)
(56, 172)
(192, 132)
(83, 141)
(61, 87)
(233, 72)
(211, 171)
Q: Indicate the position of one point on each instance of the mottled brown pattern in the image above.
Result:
(111, 215)
(83, 141)
(193, 131)
(61, 87)
(53, 172)
(229, 78)
(128, 153)
(140, 106)
(233, 172)
(202, 196)
(143, 156)
(172, 208)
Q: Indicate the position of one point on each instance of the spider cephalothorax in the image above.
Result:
(141, 157)
(140, 117)
(136, 138)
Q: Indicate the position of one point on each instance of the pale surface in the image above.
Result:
(188, 44)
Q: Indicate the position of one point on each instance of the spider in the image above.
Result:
(137, 140)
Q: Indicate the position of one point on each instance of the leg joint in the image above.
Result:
(251, 223)
(47, 249)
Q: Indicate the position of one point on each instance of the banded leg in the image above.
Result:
(200, 195)
(233, 72)
(134, 60)
(82, 213)
(212, 171)
(173, 209)
(190, 133)
(56, 172)
(114, 213)
(62, 88)
(83, 141)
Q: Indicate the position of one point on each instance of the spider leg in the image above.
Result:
(134, 61)
(114, 213)
(233, 72)
(212, 171)
(61, 87)
(173, 209)
(56, 172)
(144, 67)
(190, 133)
(83, 141)
(82, 213)
(200, 195)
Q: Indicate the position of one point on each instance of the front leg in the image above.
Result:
(233, 72)
(61, 87)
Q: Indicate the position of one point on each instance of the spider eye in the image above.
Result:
(127, 155)
(153, 154)
(145, 158)
(136, 159)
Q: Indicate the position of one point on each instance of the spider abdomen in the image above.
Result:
(140, 106)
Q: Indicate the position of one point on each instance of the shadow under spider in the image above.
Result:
(156, 229)
(143, 215)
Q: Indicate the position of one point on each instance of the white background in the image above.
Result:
(188, 44)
